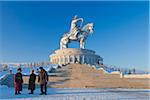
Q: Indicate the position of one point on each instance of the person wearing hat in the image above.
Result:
(18, 80)
(75, 28)
(43, 79)
(32, 80)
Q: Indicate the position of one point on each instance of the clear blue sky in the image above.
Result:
(30, 31)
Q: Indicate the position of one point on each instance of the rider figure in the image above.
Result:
(75, 28)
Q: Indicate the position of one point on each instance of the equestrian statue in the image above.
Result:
(77, 33)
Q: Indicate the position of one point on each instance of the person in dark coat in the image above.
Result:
(46, 74)
(18, 80)
(43, 79)
(32, 80)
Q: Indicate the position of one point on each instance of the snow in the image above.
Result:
(8, 80)
(76, 94)
(7, 93)
(25, 70)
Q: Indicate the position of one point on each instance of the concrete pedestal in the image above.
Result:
(74, 55)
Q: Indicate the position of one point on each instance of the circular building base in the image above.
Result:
(74, 55)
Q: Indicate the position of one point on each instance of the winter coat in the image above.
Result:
(18, 81)
(42, 77)
(32, 80)
(46, 75)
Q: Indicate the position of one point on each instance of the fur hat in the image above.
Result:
(41, 68)
(19, 69)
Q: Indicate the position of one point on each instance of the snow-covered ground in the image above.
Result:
(71, 94)
(77, 94)
(25, 70)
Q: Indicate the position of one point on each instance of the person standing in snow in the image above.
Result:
(46, 81)
(32, 80)
(18, 80)
(43, 79)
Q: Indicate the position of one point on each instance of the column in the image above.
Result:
(73, 59)
(68, 61)
(59, 60)
(78, 58)
(83, 59)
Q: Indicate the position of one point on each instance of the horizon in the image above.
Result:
(31, 31)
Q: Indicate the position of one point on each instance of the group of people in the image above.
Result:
(42, 80)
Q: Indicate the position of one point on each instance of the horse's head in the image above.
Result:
(87, 30)
(90, 27)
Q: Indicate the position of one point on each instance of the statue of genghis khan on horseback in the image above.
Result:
(76, 33)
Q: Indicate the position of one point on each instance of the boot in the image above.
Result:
(16, 93)
(31, 92)
(19, 92)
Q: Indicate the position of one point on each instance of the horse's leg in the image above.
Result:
(61, 44)
(64, 43)
(82, 43)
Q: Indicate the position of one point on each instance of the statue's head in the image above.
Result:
(75, 17)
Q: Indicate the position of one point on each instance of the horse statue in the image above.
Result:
(80, 36)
